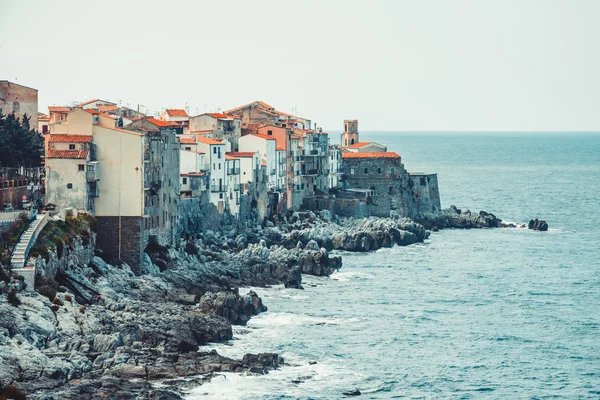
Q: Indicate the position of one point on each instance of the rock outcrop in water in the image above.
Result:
(453, 217)
(537, 225)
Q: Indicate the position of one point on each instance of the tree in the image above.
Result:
(20, 146)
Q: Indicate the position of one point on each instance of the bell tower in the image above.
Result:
(350, 135)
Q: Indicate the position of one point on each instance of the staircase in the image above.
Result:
(21, 251)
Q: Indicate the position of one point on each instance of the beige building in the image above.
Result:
(122, 176)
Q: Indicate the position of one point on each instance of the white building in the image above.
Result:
(267, 147)
(335, 166)
(214, 151)
(233, 183)
(281, 169)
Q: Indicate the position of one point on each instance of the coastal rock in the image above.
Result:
(231, 306)
(453, 217)
(538, 225)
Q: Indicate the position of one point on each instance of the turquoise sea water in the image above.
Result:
(504, 313)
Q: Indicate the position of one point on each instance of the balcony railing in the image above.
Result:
(311, 152)
(282, 161)
(233, 171)
(236, 187)
(218, 188)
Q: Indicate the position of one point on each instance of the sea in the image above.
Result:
(469, 314)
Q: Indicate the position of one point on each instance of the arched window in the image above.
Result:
(352, 141)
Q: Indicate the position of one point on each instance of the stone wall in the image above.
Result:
(425, 192)
(386, 177)
(121, 239)
(19, 99)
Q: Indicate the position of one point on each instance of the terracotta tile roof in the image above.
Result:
(59, 109)
(220, 115)
(176, 112)
(387, 154)
(280, 148)
(358, 145)
(240, 154)
(230, 157)
(187, 140)
(77, 154)
(92, 111)
(158, 122)
(70, 138)
(106, 107)
(260, 135)
(206, 140)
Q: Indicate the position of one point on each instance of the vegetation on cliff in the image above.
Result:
(58, 234)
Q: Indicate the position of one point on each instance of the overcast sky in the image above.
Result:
(393, 65)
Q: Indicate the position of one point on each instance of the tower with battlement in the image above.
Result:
(350, 134)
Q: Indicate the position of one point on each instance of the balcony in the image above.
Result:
(236, 187)
(282, 161)
(311, 152)
(218, 188)
(233, 171)
(92, 173)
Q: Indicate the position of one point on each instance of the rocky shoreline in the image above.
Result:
(108, 333)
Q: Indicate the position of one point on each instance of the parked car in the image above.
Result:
(7, 207)
(27, 205)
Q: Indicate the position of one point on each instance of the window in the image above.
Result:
(352, 141)
(81, 167)
(185, 181)
(44, 127)
(366, 171)
(422, 180)
(219, 165)
(69, 186)
(270, 133)
(90, 167)
(391, 190)
(71, 147)
(378, 170)
(214, 150)
(351, 171)
(220, 195)
(188, 148)
(392, 171)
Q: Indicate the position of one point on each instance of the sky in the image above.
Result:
(446, 65)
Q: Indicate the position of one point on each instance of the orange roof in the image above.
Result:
(230, 157)
(220, 115)
(176, 112)
(158, 122)
(206, 140)
(106, 107)
(382, 154)
(91, 111)
(280, 148)
(242, 154)
(59, 109)
(260, 135)
(358, 145)
(77, 154)
(70, 138)
(187, 140)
